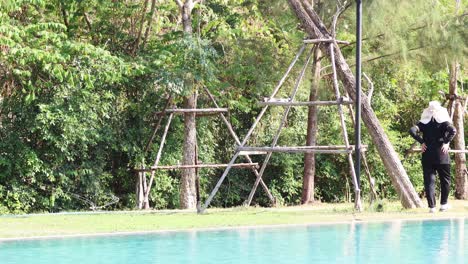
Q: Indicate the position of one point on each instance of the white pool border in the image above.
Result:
(229, 228)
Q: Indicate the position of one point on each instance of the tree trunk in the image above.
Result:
(308, 182)
(139, 190)
(187, 16)
(316, 29)
(150, 22)
(188, 194)
(461, 174)
(140, 30)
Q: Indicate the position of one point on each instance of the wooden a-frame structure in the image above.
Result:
(288, 103)
(144, 187)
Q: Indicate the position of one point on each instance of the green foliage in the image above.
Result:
(78, 96)
(430, 31)
(186, 63)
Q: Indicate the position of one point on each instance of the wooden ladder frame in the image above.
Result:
(288, 103)
(144, 187)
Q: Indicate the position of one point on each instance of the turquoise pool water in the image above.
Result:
(393, 242)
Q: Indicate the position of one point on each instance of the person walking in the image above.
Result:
(437, 132)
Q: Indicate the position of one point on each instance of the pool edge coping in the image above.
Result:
(228, 228)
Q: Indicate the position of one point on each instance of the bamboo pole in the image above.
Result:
(278, 132)
(142, 177)
(364, 159)
(204, 111)
(310, 103)
(200, 166)
(140, 192)
(344, 130)
(461, 179)
(296, 150)
(238, 142)
(197, 176)
(158, 125)
(249, 133)
(158, 157)
(163, 141)
(301, 149)
(465, 105)
(275, 91)
(344, 147)
(145, 188)
(317, 41)
(249, 153)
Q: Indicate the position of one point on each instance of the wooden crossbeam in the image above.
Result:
(309, 103)
(199, 166)
(315, 41)
(203, 111)
(246, 153)
(450, 150)
(300, 149)
(449, 96)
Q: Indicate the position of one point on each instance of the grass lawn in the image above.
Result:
(23, 226)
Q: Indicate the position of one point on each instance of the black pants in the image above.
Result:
(429, 171)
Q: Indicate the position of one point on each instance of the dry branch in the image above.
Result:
(179, 3)
(371, 89)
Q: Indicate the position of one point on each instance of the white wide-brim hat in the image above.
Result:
(436, 111)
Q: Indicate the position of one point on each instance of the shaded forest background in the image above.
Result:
(81, 82)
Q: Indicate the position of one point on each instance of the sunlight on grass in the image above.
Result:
(147, 221)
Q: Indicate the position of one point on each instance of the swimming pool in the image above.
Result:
(438, 241)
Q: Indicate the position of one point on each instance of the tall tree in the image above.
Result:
(308, 182)
(461, 173)
(314, 26)
(188, 194)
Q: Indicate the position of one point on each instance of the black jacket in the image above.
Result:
(434, 135)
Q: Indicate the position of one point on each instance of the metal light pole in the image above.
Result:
(357, 129)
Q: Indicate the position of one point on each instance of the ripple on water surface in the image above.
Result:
(442, 241)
